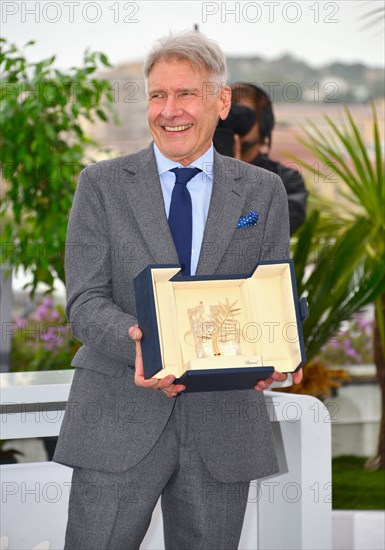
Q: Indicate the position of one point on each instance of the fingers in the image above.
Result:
(173, 390)
(135, 333)
(165, 384)
(297, 376)
(265, 384)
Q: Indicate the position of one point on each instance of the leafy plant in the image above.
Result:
(43, 340)
(338, 285)
(8, 456)
(318, 380)
(44, 147)
(353, 345)
(340, 254)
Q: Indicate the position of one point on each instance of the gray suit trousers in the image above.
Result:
(112, 511)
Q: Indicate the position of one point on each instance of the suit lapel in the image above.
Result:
(146, 199)
(227, 202)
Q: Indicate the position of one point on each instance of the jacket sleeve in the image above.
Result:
(94, 317)
(276, 237)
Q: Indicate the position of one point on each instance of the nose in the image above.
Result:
(171, 107)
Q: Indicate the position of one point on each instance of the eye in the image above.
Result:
(157, 95)
(187, 93)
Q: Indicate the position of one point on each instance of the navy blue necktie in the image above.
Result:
(180, 216)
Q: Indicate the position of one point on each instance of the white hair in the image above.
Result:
(193, 47)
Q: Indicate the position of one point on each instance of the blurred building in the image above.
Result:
(132, 133)
(291, 119)
(130, 105)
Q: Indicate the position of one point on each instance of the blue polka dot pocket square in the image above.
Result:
(250, 219)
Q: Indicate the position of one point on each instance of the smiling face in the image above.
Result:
(184, 106)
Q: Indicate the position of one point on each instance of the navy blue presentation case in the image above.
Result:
(220, 332)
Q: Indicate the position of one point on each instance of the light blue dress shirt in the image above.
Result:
(200, 188)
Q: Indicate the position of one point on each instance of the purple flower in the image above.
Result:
(47, 302)
(347, 344)
(41, 313)
(50, 346)
(334, 344)
(352, 353)
(52, 334)
(20, 322)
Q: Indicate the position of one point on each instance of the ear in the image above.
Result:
(225, 102)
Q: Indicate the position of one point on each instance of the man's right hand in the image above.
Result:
(164, 384)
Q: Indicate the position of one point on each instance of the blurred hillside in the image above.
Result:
(335, 82)
(322, 91)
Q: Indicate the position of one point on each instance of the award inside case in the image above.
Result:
(224, 332)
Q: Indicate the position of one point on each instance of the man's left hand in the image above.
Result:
(278, 377)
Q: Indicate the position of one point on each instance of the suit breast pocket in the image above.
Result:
(249, 232)
(244, 250)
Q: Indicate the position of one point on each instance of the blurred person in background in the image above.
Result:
(253, 144)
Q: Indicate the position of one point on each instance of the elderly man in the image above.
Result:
(128, 443)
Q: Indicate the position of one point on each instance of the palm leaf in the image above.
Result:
(303, 248)
(339, 253)
(343, 147)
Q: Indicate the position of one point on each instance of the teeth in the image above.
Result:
(177, 128)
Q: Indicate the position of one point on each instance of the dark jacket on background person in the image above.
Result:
(294, 185)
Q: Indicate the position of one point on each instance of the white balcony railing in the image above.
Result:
(288, 511)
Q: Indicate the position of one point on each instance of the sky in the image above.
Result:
(318, 32)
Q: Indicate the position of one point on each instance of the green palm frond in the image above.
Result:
(339, 254)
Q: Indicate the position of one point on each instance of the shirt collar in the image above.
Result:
(204, 162)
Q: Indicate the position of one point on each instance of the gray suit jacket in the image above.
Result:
(117, 227)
